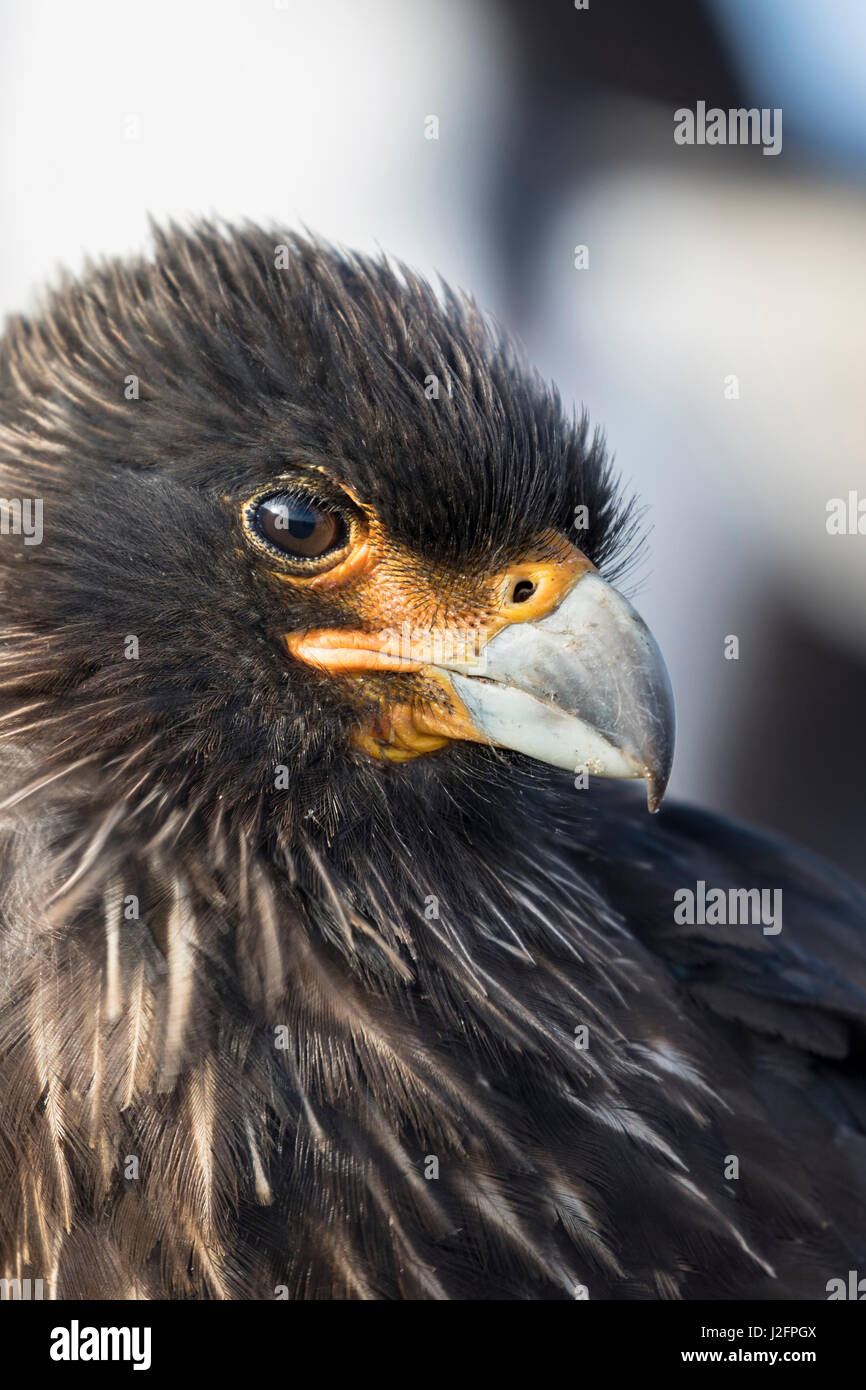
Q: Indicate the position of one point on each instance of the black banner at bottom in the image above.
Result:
(58, 1340)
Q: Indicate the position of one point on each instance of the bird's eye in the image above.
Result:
(299, 526)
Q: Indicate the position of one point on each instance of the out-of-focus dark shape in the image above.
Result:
(804, 723)
(572, 72)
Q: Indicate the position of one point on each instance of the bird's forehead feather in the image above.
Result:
(252, 350)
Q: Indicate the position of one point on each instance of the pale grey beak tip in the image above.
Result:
(659, 765)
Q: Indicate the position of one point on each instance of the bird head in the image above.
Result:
(308, 519)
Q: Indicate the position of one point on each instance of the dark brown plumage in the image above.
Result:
(315, 1031)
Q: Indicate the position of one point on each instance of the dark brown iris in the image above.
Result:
(299, 525)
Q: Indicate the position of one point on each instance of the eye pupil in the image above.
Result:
(302, 526)
(299, 526)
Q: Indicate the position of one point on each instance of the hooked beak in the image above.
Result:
(585, 687)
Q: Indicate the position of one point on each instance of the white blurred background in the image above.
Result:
(555, 130)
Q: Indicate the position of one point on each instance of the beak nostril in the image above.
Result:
(523, 589)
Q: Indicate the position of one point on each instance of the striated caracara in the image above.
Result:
(331, 963)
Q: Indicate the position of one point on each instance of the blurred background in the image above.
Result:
(717, 332)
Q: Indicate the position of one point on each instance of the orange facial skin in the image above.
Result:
(393, 596)
(389, 585)
(404, 731)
